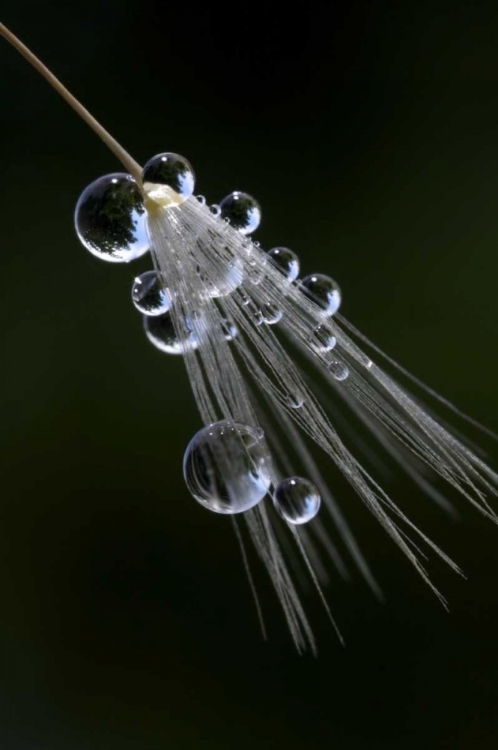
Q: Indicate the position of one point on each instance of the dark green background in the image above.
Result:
(370, 138)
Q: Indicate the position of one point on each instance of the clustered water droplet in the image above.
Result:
(168, 179)
(297, 500)
(225, 467)
(323, 291)
(242, 212)
(149, 294)
(110, 219)
(285, 261)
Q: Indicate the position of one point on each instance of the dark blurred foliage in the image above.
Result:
(367, 131)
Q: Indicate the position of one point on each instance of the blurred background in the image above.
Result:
(368, 132)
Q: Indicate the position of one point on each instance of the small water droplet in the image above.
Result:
(229, 329)
(323, 339)
(201, 199)
(110, 219)
(242, 211)
(295, 400)
(256, 271)
(338, 370)
(286, 261)
(297, 500)
(161, 332)
(168, 179)
(149, 295)
(215, 209)
(323, 291)
(225, 467)
(271, 313)
(244, 298)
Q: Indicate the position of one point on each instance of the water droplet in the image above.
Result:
(257, 317)
(244, 298)
(215, 209)
(110, 219)
(223, 279)
(168, 179)
(297, 500)
(149, 295)
(286, 261)
(323, 339)
(295, 400)
(225, 467)
(161, 332)
(338, 369)
(256, 271)
(323, 291)
(271, 313)
(201, 199)
(229, 329)
(242, 211)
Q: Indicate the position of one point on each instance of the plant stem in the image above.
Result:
(124, 157)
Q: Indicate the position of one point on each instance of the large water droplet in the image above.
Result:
(110, 219)
(168, 179)
(323, 291)
(338, 370)
(286, 261)
(149, 294)
(161, 332)
(225, 467)
(242, 211)
(297, 500)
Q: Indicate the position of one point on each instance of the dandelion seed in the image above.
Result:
(212, 297)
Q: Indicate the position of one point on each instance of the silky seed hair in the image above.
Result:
(278, 376)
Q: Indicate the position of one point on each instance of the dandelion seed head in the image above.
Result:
(269, 396)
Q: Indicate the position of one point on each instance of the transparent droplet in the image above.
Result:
(201, 199)
(215, 209)
(225, 467)
(271, 313)
(256, 271)
(323, 339)
(295, 400)
(244, 298)
(297, 500)
(149, 294)
(168, 179)
(223, 279)
(286, 261)
(110, 219)
(338, 370)
(161, 332)
(256, 315)
(229, 329)
(323, 291)
(242, 211)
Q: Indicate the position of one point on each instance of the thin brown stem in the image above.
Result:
(123, 156)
